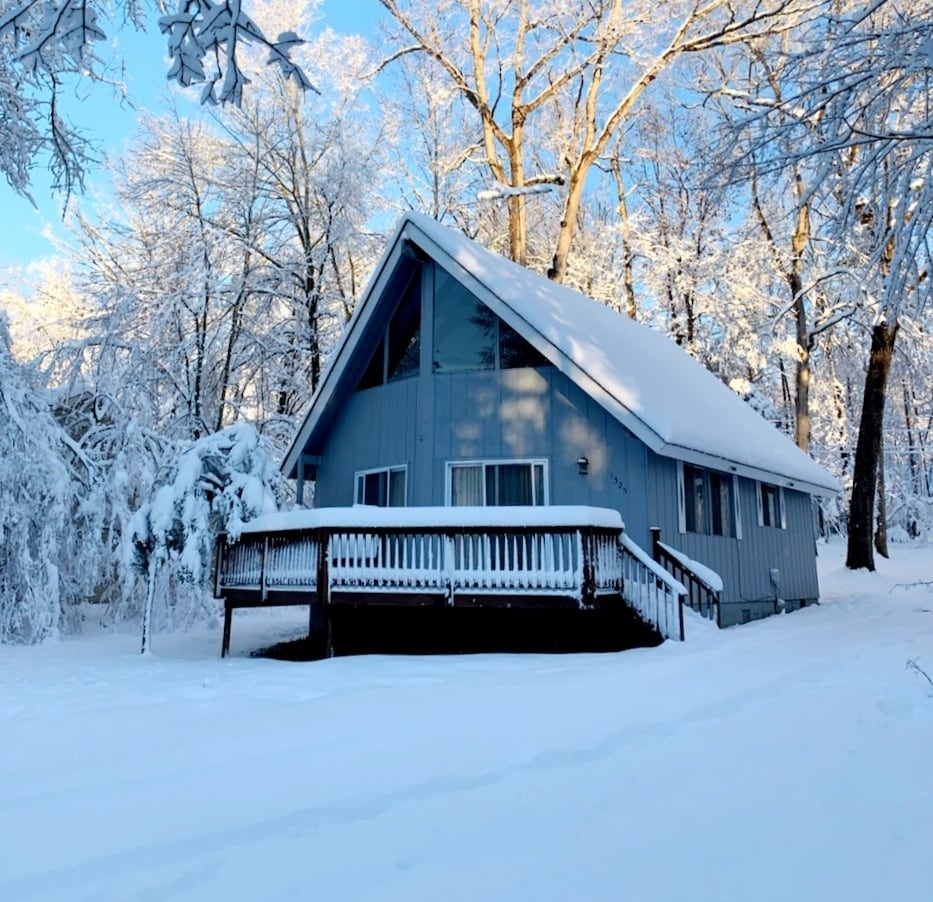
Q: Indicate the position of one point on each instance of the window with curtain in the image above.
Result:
(709, 502)
(495, 483)
(770, 505)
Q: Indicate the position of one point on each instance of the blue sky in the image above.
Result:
(105, 119)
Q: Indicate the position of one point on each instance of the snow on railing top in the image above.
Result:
(638, 552)
(700, 571)
(367, 517)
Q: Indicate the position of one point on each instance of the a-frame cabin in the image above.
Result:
(466, 381)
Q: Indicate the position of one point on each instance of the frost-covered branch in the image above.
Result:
(202, 29)
(44, 44)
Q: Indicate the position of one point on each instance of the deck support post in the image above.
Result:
(228, 618)
(329, 642)
(323, 591)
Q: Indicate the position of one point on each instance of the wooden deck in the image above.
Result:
(330, 560)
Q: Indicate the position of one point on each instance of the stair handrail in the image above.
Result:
(702, 595)
(653, 592)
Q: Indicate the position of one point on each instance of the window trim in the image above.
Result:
(708, 502)
(781, 511)
(359, 480)
(496, 461)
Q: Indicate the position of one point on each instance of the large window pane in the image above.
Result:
(466, 486)
(694, 499)
(405, 334)
(722, 505)
(514, 484)
(770, 506)
(503, 484)
(397, 480)
(374, 489)
(374, 371)
(464, 329)
(382, 488)
(514, 351)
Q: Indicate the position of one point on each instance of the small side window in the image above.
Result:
(770, 505)
(384, 487)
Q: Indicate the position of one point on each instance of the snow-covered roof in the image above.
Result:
(650, 385)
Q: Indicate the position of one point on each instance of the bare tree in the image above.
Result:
(551, 85)
(862, 120)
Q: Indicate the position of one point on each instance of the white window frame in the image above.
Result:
(780, 505)
(495, 461)
(736, 502)
(359, 482)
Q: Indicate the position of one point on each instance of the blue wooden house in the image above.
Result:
(465, 382)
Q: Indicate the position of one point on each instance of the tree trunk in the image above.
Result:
(802, 371)
(881, 524)
(147, 611)
(868, 449)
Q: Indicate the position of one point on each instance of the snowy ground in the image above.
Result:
(785, 760)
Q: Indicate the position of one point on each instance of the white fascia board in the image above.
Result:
(714, 462)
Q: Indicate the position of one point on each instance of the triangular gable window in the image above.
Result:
(398, 353)
(468, 336)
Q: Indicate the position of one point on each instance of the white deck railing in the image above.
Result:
(580, 563)
(652, 591)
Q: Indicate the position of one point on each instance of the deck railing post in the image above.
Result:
(262, 569)
(680, 611)
(655, 532)
(219, 555)
(588, 543)
(449, 565)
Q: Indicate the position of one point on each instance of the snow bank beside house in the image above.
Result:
(785, 759)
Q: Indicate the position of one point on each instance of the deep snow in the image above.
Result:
(784, 760)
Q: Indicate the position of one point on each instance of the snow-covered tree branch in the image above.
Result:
(46, 45)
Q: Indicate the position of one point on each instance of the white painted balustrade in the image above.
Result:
(546, 557)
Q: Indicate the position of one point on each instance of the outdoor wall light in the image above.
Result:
(583, 465)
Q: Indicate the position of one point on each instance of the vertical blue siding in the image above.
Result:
(429, 419)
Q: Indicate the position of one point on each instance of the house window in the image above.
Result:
(499, 483)
(385, 487)
(398, 353)
(708, 502)
(695, 499)
(771, 505)
(468, 336)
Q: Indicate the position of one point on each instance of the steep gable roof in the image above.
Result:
(650, 385)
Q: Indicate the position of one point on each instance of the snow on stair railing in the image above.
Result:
(652, 591)
(704, 586)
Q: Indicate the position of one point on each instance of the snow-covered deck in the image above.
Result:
(483, 556)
